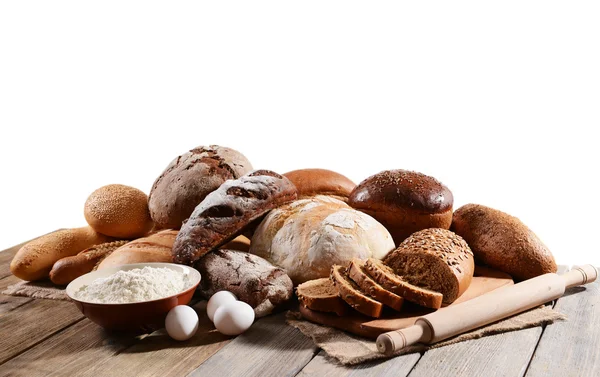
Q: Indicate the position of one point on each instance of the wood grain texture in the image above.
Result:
(8, 303)
(269, 348)
(572, 347)
(324, 366)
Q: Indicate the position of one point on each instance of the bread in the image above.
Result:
(436, 259)
(321, 295)
(503, 242)
(351, 293)
(365, 282)
(189, 178)
(252, 279)
(239, 243)
(67, 269)
(154, 248)
(225, 212)
(311, 182)
(309, 236)
(404, 202)
(35, 260)
(118, 211)
(385, 276)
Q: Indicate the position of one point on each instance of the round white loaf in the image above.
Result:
(308, 236)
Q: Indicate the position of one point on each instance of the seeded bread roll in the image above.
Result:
(311, 182)
(436, 259)
(351, 293)
(155, 248)
(404, 202)
(321, 295)
(361, 277)
(503, 242)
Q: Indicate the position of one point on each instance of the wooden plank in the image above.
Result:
(323, 365)
(269, 348)
(572, 347)
(8, 303)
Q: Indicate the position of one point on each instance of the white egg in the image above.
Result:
(233, 318)
(218, 299)
(181, 322)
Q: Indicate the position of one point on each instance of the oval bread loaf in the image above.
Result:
(311, 182)
(154, 248)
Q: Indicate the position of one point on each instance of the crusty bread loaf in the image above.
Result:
(35, 260)
(361, 277)
(385, 276)
(503, 242)
(311, 182)
(189, 178)
(239, 243)
(321, 295)
(225, 212)
(436, 259)
(309, 236)
(154, 248)
(351, 293)
(404, 202)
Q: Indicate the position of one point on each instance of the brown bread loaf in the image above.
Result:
(503, 242)
(361, 277)
(351, 293)
(321, 295)
(404, 202)
(435, 259)
(189, 178)
(311, 182)
(154, 248)
(239, 243)
(35, 260)
(225, 212)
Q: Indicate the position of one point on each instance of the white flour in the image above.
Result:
(148, 283)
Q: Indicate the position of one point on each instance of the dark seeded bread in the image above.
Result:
(385, 276)
(361, 277)
(321, 295)
(350, 292)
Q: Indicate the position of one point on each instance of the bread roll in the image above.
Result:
(503, 242)
(404, 202)
(189, 178)
(311, 182)
(118, 211)
(309, 236)
(35, 260)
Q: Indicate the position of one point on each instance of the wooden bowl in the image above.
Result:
(137, 317)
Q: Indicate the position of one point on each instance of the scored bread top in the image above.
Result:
(361, 277)
(321, 295)
(351, 293)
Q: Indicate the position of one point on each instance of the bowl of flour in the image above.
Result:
(133, 297)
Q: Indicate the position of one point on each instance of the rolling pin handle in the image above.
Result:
(580, 275)
(393, 341)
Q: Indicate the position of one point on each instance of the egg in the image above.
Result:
(181, 322)
(218, 299)
(233, 318)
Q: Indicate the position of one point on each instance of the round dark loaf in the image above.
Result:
(311, 182)
(503, 242)
(251, 278)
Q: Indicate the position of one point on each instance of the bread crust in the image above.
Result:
(311, 182)
(155, 248)
(331, 302)
(360, 276)
(351, 293)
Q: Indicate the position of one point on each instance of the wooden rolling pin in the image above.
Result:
(490, 307)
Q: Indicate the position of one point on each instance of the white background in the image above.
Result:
(501, 102)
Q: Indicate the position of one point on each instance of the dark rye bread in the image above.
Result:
(361, 277)
(503, 242)
(321, 295)
(385, 276)
(351, 293)
(225, 212)
(404, 202)
(436, 259)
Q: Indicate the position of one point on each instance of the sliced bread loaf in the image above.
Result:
(351, 293)
(361, 277)
(321, 295)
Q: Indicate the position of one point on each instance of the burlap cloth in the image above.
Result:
(350, 349)
(36, 289)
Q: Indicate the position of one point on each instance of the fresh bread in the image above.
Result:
(311, 182)
(239, 243)
(385, 276)
(189, 178)
(365, 282)
(503, 242)
(436, 259)
(154, 248)
(321, 295)
(118, 211)
(67, 269)
(404, 202)
(308, 236)
(225, 212)
(35, 260)
(351, 293)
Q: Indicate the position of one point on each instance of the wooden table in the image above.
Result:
(48, 337)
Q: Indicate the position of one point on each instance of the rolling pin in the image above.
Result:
(480, 311)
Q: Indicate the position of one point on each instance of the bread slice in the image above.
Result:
(385, 276)
(321, 295)
(350, 292)
(361, 277)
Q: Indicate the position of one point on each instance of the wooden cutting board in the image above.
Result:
(485, 280)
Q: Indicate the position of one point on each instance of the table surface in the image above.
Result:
(48, 337)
